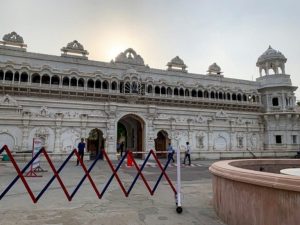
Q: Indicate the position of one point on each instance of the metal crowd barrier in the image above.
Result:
(87, 171)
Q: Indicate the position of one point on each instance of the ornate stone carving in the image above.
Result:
(76, 48)
(13, 39)
(221, 115)
(129, 56)
(177, 64)
(7, 100)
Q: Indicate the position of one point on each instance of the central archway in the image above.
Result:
(131, 131)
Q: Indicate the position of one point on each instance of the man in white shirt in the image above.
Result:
(187, 153)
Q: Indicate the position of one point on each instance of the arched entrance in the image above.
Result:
(161, 143)
(131, 131)
(95, 143)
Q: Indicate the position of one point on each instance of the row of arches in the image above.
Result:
(134, 87)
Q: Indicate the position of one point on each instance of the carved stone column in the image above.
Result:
(231, 134)
(209, 135)
(58, 122)
(25, 133)
(111, 139)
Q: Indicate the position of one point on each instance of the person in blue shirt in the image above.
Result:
(170, 151)
(81, 147)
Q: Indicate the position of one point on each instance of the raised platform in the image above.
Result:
(253, 192)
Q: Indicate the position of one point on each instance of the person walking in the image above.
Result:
(81, 147)
(122, 148)
(170, 151)
(187, 153)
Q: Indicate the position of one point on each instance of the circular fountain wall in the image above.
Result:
(253, 192)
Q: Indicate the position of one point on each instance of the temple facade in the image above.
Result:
(63, 98)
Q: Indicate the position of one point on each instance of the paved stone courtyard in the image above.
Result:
(114, 208)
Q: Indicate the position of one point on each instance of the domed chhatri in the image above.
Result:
(214, 69)
(13, 39)
(129, 56)
(177, 64)
(271, 59)
(74, 47)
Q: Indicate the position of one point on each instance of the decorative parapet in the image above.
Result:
(177, 65)
(13, 40)
(76, 49)
(129, 56)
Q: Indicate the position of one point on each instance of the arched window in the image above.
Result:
(234, 96)
(275, 101)
(24, 77)
(80, 82)
(134, 88)
(55, 80)
(17, 76)
(105, 85)
(114, 85)
(228, 96)
(35, 78)
(149, 89)
(163, 90)
(253, 98)
(176, 91)
(194, 93)
(187, 92)
(205, 94)
(45, 79)
(66, 81)
(74, 82)
(169, 91)
(98, 84)
(90, 83)
(220, 95)
(9, 76)
(244, 97)
(1, 74)
(212, 94)
(127, 87)
(239, 97)
(200, 94)
(181, 92)
(121, 87)
(157, 90)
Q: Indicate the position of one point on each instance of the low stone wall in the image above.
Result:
(248, 197)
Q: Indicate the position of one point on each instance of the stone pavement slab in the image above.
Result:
(114, 208)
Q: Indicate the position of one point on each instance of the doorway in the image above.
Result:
(161, 144)
(130, 131)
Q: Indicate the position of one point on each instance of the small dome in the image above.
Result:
(214, 69)
(177, 61)
(177, 64)
(271, 54)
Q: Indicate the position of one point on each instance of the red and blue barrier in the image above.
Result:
(69, 196)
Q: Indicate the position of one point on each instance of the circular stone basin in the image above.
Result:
(253, 192)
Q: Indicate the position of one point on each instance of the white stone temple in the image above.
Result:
(63, 98)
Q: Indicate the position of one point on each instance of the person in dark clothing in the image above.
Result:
(122, 148)
(81, 147)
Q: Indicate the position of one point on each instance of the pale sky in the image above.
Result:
(232, 33)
